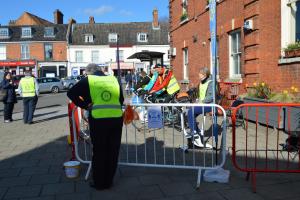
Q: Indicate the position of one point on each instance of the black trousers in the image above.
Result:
(106, 139)
(8, 110)
(29, 106)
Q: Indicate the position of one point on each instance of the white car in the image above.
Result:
(53, 85)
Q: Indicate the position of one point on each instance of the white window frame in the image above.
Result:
(231, 55)
(49, 32)
(2, 52)
(89, 38)
(113, 37)
(4, 33)
(26, 32)
(95, 56)
(25, 52)
(77, 57)
(142, 37)
(185, 59)
(288, 23)
(184, 6)
(48, 44)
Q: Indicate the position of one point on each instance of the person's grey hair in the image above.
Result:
(92, 68)
(27, 73)
(205, 71)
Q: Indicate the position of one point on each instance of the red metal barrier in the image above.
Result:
(262, 145)
(70, 108)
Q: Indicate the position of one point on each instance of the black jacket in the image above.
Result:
(143, 81)
(82, 89)
(11, 96)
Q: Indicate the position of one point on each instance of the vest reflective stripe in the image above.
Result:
(105, 95)
(173, 85)
(27, 86)
(106, 107)
(203, 89)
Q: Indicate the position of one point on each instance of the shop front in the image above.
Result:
(124, 67)
(53, 69)
(19, 67)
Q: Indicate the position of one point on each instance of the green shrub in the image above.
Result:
(292, 46)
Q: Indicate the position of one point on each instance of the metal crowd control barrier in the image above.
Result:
(85, 140)
(265, 145)
(166, 144)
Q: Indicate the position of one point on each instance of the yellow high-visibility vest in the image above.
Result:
(173, 85)
(27, 86)
(203, 89)
(105, 95)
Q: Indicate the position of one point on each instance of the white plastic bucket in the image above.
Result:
(72, 169)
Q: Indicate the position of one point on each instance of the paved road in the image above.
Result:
(31, 158)
(45, 100)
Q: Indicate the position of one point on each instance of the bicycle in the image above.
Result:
(171, 116)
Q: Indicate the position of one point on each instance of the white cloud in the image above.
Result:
(126, 12)
(98, 11)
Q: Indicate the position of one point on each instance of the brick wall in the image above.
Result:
(260, 47)
(37, 51)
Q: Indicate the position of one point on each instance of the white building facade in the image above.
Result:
(80, 56)
(97, 43)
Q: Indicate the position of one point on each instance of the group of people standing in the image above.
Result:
(28, 89)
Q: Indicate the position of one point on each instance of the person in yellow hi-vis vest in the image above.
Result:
(102, 96)
(205, 95)
(29, 90)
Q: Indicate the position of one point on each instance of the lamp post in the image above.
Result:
(213, 39)
(118, 60)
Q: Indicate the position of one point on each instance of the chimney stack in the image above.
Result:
(155, 18)
(92, 20)
(58, 17)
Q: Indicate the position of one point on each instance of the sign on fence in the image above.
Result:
(155, 117)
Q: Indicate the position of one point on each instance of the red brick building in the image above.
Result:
(251, 37)
(32, 43)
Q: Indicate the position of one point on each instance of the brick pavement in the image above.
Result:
(31, 158)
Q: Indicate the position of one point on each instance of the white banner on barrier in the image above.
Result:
(155, 117)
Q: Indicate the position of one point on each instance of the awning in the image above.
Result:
(123, 65)
(146, 55)
(17, 63)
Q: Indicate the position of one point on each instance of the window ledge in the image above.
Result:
(236, 77)
(184, 21)
(288, 60)
(233, 80)
(49, 36)
(185, 81)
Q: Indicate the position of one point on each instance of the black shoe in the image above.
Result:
(30, 123)
(92, 185)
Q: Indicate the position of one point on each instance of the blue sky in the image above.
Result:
(80, 10)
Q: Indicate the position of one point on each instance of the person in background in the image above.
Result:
(143, 80)
(166, 85)
(11, 98)
(102, 96)
(205, 95)
(29, 90)
(154, 75)
(128, 80)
